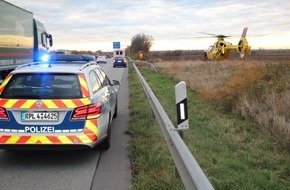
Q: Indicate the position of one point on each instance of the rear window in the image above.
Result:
(42, 86)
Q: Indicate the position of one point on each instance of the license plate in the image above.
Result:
(39, 116)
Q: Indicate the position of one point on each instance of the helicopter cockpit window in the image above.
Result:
(210, 49)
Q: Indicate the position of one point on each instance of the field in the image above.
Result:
(256, 89)
(239, 123)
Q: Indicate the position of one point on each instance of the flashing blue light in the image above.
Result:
(45, 58)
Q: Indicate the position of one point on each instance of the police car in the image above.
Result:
(67, 102)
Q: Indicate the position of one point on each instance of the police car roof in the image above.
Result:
(58, 63)
(52, 68)
(71, 57)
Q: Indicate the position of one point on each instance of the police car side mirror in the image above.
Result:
(50, 40)
(116, 82)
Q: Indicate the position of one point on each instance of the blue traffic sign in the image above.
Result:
(116, 45)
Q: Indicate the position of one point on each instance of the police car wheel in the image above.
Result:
(116, 110)
(105, 145)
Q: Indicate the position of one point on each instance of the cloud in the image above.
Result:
(96, 24)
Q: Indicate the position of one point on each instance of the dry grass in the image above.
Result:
(257, 89)
(272, 116)
(199, 74)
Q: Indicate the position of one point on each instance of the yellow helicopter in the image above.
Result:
(221, 49)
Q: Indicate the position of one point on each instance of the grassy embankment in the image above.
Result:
(257, 90)
(152, 167)
(233, 152)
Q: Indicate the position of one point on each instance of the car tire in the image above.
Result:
(116, 110)
(105, 145)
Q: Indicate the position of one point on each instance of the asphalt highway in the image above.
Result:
(76, 169)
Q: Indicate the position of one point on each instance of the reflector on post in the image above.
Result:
(181, 106)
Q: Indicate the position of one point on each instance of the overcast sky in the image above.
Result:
(174, 24)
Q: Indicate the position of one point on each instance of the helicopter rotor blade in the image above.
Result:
(216, 35)
(207, 33)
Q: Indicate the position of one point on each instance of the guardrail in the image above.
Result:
(188, 169)
(150, 66)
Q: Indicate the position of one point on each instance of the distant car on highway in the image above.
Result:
(57, 104)
(119, 62)
(101, 59)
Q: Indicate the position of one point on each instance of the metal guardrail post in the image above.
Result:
(189, 171)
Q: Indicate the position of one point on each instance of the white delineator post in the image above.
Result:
(181, 106)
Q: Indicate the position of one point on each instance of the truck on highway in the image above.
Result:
(23, 39)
